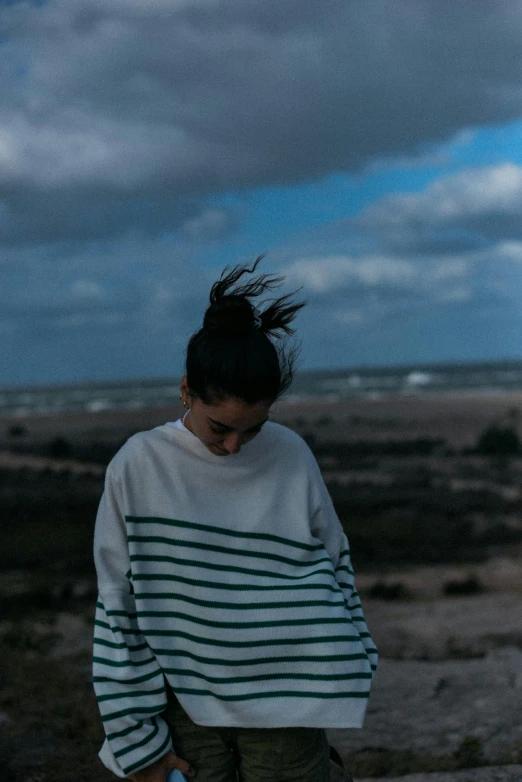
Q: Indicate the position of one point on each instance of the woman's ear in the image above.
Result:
(185, 393)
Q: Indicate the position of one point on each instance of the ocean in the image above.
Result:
(488, 377)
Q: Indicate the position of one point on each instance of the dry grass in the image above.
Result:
(52, 732)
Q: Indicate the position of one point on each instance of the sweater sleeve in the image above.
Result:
(327, 527)
(128, 681)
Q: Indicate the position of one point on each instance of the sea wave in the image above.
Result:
(329, 385)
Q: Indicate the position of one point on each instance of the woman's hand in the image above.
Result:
(158, 771)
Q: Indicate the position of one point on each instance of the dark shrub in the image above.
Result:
(468, 586)
(17, 430)
(499, 440)
(470, 754)
(59, 448)
(383, 591)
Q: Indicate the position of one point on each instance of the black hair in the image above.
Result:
(234, 355)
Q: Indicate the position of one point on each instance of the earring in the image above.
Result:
(185, 405)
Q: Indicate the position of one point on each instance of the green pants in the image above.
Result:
(249, 754)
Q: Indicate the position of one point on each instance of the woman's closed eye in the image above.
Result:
(248, 433)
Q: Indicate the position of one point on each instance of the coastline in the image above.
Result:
(457, 417)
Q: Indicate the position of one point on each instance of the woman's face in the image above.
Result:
(226, 426)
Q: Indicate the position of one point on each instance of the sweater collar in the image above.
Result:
(248, 453)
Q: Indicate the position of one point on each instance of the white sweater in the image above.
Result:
(230, 577)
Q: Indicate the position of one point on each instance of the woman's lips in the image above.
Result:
(221, 450)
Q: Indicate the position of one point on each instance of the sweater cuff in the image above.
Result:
(139, 758)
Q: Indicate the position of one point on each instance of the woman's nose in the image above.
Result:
(233, 442)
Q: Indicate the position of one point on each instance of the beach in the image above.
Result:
(433, 511)
(458, 417)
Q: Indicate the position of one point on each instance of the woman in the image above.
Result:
(228, 625)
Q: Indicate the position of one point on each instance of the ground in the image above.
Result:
(435, 525)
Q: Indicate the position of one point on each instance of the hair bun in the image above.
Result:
(230, 315)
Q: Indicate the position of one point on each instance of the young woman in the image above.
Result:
(228, 626)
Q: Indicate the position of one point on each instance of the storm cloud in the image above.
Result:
(143, 143)
(122, 117)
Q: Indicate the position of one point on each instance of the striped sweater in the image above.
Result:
(229, 578)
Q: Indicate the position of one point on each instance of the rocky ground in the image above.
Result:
(489, 774)
(447, 696)
(435, 528)
(448, 692)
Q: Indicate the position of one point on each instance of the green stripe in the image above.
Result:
(222, 549)
(101, 623)
(123, 663)
(344, 553)
(122, 645)
(224, 531)
(344, 585)
(356, 606)
(125, 712)
(260, 642)
(268, 677)
(115, 612)
(226, 568)
(125, 732)
(326, 658)
(132, 747)
(148, 760)
(237, 644)
(111, 644)
(345, 568)
(229, 625)
(237, 625)
(234, 606)
(276, 694)
(372, 650)
(107, 626)
(235, 587)
(134, 694)
(136, 680)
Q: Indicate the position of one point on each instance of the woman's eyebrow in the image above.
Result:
(225, 426)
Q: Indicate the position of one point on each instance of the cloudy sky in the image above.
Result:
(371, 148)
